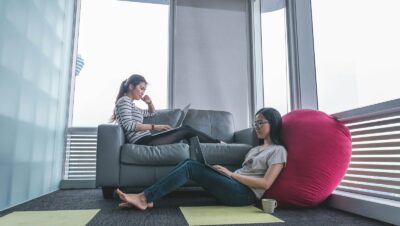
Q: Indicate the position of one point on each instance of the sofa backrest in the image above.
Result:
(167, 116)
(218, 124)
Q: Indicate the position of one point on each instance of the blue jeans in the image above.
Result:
(228, 191)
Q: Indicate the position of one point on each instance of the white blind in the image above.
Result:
(80, 153)
(211, 44)
(375, 163)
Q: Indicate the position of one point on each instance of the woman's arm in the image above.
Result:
(124, 108)
(143, 127)
(151, 107)
(124, 111)
(149, 103)
(254, 182)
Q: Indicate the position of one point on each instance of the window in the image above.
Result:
(356, 52)
(117, 39)
(356, 57)
(274, 54)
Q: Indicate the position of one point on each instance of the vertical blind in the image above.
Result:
(80, 153)
(375, 164)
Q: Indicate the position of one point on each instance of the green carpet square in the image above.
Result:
(49, 218)
(216, 215)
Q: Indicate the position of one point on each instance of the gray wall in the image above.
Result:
(35, 50)
(210, 58)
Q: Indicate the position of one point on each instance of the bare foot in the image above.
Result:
(125, 205)
(121, 195)
(137, 200)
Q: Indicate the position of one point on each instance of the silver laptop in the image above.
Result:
(179, 123)
(185, 111)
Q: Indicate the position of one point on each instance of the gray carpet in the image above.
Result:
(166, 211)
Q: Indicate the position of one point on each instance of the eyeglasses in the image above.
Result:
(258, 124)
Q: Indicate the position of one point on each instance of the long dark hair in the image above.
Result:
(275, 122)
(133, 80)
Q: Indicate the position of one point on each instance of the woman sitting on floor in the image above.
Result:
(245, 186)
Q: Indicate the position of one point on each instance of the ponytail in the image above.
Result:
(124, 87)
(122, 90)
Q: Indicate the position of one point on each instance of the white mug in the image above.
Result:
(269, 205)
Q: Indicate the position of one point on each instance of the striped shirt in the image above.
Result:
(128, 116)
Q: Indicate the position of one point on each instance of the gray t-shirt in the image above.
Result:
(257, 161)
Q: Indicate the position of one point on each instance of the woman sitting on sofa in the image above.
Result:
(131, 117)
(245, 186)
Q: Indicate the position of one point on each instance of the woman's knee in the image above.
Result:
(188, 161)
(187, 128)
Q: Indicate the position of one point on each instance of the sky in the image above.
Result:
(117, 39)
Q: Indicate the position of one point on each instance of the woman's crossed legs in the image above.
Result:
(176, 135)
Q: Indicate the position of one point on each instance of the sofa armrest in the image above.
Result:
(246, 136)
(110, 139)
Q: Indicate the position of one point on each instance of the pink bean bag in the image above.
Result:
(319, 152)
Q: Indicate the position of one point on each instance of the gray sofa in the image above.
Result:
(138, 166)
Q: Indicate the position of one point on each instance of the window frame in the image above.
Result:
(66, 183)
(304, 93)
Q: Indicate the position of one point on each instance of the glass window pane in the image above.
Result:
(356, 52)
(274, 47)
(117, 39)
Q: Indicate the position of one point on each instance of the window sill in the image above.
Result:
(376, 208)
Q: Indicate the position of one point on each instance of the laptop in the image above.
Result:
(195, 143)
(185, 111)
(178, 123)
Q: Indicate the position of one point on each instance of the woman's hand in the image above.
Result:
(149, 103)
(162, 127)
(223, 170)
(147, 99)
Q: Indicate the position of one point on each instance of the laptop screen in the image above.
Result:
(185, 111)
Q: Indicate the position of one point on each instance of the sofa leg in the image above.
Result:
(108, 192)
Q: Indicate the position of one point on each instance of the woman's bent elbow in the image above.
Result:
(266, 186)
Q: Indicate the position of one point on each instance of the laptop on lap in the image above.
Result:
(194, 141)
(179, 122)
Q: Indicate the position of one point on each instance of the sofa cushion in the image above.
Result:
(319, 151)
(217, 124)
(169, 154)
(142, 176)
(225, 154)
(168, 116)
